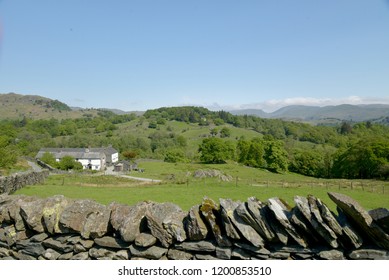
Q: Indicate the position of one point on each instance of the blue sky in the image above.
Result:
(137, 55)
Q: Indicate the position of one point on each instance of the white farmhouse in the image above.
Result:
(90, 158)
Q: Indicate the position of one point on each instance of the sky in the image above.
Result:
(221, 54)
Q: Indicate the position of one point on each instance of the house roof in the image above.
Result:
(77, 153)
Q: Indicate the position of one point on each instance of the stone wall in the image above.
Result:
(58, 228)
(10, 184)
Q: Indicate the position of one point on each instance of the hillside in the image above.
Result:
(326, 114)
(17, 106)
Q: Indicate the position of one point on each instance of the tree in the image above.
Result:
(216, 150)
(276, 156)
(69, 163)
(130, 155)
(49, 159)
(225, 132)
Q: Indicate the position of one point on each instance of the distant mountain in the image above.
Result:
(326, 114)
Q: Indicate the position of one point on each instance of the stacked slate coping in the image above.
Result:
(59, 228)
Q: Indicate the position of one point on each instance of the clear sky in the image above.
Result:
(143, 54)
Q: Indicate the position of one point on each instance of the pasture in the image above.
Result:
(180, 187)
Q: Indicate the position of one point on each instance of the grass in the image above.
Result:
(187, 191)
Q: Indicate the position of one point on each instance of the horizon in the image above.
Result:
(134, 56)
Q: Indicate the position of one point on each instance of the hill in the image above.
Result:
(17, 106)
(326, 114)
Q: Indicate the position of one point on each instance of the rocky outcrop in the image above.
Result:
(58, 228)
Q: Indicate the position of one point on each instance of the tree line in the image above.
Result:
(348, 150)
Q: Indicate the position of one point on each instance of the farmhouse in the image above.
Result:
(90, 158)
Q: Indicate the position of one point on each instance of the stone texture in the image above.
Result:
(111, 242)
(210, 212)
(323, 231)
(51, 254)
(228, 207)
(381, 217)
(51, 213)
(223, 253)
(256, 210)
(100, 253)
(197, 246)
(122, 255)
(153, 253)
(145, 240)
(331, 255)
(39, 237)
(174, 254)
(57, 245)
(80, 256)
(282, 214)
(194, 225)
(361, 218)
(32, 213)
(129, 220)
(86, 217)
(369, 254)
(350, 237)
(165, 221)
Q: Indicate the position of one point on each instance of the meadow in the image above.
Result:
(180, 187)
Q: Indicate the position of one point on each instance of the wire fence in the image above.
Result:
(373, 186)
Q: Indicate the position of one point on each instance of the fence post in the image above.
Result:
(236, 182)
(187, 182)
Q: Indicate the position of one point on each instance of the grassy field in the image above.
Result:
(185, 190)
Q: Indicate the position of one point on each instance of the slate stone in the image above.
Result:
(33, 249)
(129, 220)
(252, 249)
(194, 225)
(350, 236)
(323, 231)
(57, 245)
(257, 212)
(145, 240)
(361, 219)
(122, 255)
(86, 217)
(80, 256)
(369, 254)
(279, 255)
(196, 246)
(51, 213)
(304, 226)
(4, 252)
(111, 242)
(229, 228)
(240, 254)
(153, 253)
(165, 221)
(66, 256)
(32, 213)
(321, 225)
(101, 253)
(24, 257)
(223, 253)
(381, 217)
(210, 212)
(51, 254)
(39, 237)
(8, 235)
(205, 257)
(329, 218)
(13, 206)
(331, 255)
(228, 207)
(78, 248)
(280, 232)
(281, 213)
(174, 254)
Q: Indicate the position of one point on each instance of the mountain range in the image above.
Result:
(326, 114)
(13, 106)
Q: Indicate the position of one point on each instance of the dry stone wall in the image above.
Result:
(58, 228)
(10, 184)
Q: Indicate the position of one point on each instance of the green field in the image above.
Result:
(180, 187)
